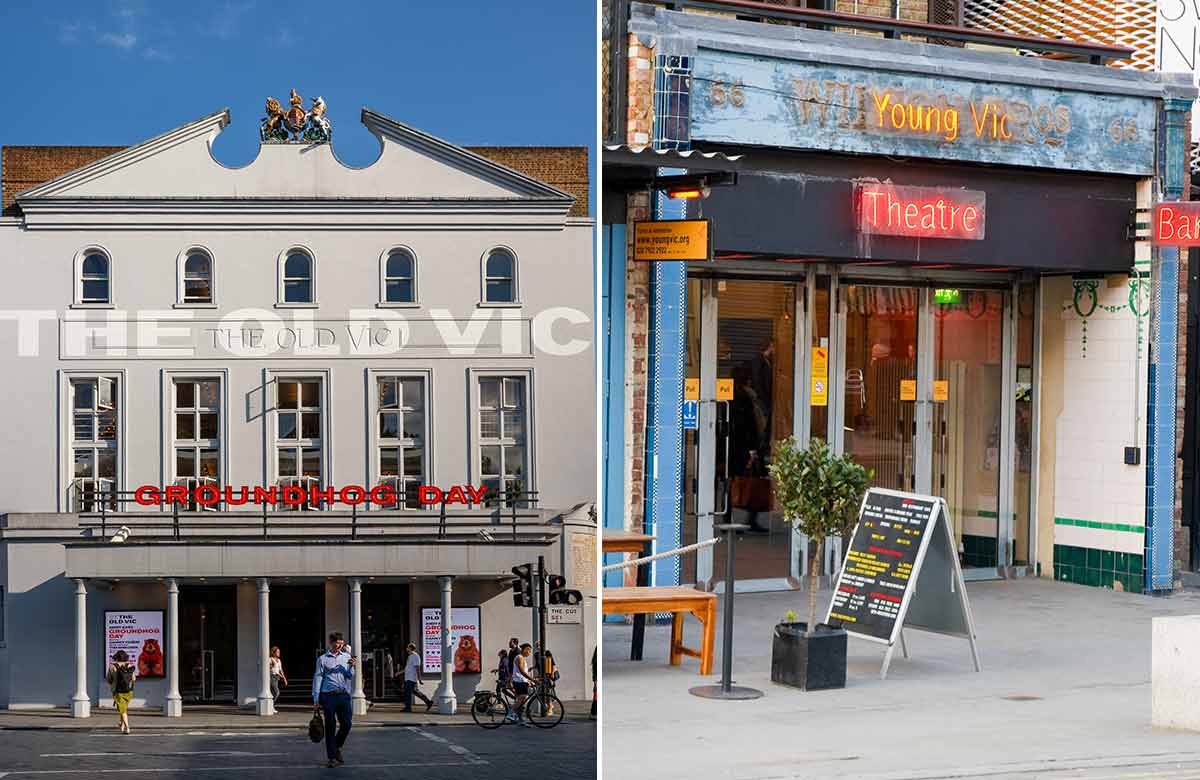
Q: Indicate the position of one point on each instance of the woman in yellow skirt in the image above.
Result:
(120, 676)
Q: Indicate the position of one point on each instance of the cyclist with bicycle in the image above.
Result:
(523, 676)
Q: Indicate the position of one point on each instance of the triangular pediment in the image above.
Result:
(412, 166)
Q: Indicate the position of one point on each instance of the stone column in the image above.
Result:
(266, 703)
(81, 703)
(174, 706)
(358, 698)
(446, 702)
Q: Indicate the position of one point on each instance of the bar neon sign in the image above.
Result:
(920, 212)
(1177, 223)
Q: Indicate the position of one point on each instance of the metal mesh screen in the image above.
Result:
(1119, 22)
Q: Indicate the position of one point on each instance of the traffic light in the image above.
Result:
(559, 593)
(522, 586)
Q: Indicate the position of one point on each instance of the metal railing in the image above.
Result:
(500, 517)
(616, 27)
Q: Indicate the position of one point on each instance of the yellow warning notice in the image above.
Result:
(908, 389)
(691, 389)
(941, 389)
(671, 239)
(819, 391)
(724, 389)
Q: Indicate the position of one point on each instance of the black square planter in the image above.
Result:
(813, 663)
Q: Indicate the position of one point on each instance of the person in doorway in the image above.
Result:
(412, 679)
(120, 676)
(277, 675)
(523, 677)
(594, 689)
(331, 694)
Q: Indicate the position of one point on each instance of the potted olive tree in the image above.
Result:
(819, 493)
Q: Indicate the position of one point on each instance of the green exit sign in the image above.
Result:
(947, 296)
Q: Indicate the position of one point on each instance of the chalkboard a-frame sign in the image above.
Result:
(901, 571)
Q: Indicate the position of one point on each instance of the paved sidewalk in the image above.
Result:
(235, 719)
(1064, 692)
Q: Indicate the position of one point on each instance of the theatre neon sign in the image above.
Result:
(297, 495)
(1177, 223)
(920, 212)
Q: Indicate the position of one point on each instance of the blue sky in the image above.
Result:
(474, 72)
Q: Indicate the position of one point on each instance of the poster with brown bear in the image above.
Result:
(140, 635)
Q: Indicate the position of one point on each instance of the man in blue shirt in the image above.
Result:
(331, 694)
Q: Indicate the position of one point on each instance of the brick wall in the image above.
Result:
(639, 120)
(23, 167)
(563, 167)
(637, 329)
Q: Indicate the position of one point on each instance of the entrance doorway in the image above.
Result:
(208, 644)
(930, 387)
(297, 628)
(741, 354)
(385, 636)
(922, 401)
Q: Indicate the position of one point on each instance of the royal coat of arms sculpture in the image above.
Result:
(295, 125)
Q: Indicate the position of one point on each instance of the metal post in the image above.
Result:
(264, 510)
(175, 518)
(727, 690)
(442, 520)
(542, 621)
(354, 521)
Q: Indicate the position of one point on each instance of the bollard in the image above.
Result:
(727, 690)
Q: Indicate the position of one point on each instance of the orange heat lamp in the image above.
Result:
(688, 193)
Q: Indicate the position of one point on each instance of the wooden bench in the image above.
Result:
(678, 601)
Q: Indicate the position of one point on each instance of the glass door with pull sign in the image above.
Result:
(921, 378)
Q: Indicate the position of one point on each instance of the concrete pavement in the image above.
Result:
(1065, 691)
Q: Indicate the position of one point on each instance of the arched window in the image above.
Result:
(298, 279)
(500, 277)
(197, 277)
(400, 277)
(94, 278)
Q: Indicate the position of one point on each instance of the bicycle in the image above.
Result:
(542, 708)
(492, 709)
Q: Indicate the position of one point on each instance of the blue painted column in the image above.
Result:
(664, 401)
(1163, 369)
(613, 292)
(668, 331)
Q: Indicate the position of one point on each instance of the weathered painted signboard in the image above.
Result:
(746, 99)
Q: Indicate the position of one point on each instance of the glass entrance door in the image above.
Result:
(923, 404)
(741, 365)
(879, 383)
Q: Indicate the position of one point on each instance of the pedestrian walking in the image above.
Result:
(514, 650)
(412, 679)
(331, 694)
(277, 675)
(120, 677)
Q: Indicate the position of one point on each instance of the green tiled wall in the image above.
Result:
(1099, 568)
(978, 550)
